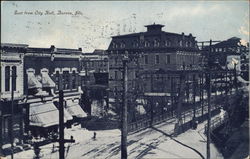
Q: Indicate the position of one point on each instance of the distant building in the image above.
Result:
(231, 53)
(11, 70)
(95, 73)
(94, 66)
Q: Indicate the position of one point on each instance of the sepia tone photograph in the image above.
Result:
(124, 79)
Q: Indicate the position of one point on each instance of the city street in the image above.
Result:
(151, 142)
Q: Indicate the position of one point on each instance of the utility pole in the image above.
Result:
(178, 126)
(124, 130)
(13, 76)
(194, 94)
(208, 80)
(61, 127)
(208, 84)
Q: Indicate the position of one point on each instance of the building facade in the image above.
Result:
(40, 74)
(48, 70)
(12, 62)
(154, 52)
(95, 72)
(231, 54)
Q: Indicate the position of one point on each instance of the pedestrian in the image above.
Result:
(94, 137)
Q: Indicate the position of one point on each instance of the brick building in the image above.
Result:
(157, 50)
(41, 73)
(152, 52)
(48, 70)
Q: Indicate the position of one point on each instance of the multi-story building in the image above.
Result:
(11, 80)
(154, 52)
(46, 71)
(230, 54)
(95, 71)
(41, 73)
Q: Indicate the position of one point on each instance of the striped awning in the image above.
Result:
(47, 81)
(33, 81)
(45, 114)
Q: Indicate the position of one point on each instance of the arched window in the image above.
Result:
(180, 43)
(14, 77)
(7, 78)
(65, 80)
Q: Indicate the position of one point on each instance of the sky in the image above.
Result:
(91, 24)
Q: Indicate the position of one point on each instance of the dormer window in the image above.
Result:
(146, 44)
(180, 43)
(135, 44)
(113, 45)
(167, 43)
(122, 45)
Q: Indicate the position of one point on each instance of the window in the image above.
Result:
(156, 43)
(57, 80)
(116, 74)
(145, 59)
(65, 80)
(147, 44)
(180, 43)
(157, 59)
(190, 44)
(74, 80)
(168, 59)
(14, 77)
(167, 43)
(7, 78)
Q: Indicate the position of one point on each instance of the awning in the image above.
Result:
(67, 115)
(140, 109)
(47, 81)
(33, 81)
(74, 109)
(45, 114)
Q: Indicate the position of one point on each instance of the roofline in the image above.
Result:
(14, 45)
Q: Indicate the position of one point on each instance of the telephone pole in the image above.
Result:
(124, 128)
(13, 76)
(208, 85)
(61, 127)
(208, 80)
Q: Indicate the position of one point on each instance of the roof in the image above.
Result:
(147, 33)
(14, 45)
(68, 51)
(232, 42)
(38, 50)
